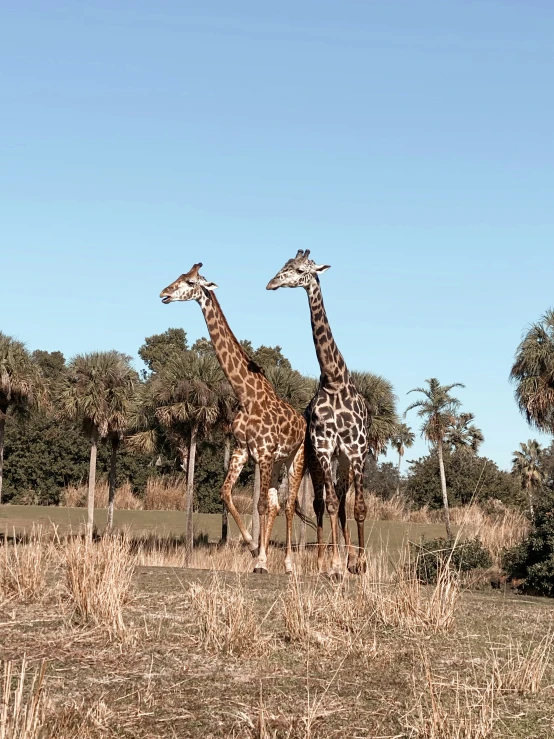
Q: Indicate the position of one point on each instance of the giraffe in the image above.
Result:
(337, 419)
(265, 427)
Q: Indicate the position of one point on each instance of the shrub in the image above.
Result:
(533, 559)
(430, 557)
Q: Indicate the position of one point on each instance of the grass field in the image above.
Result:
(129, 649)
(172, 523)
(210, 655)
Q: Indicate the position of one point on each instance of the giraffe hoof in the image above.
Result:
(335, 576)
(255, 552)
(260, 571)
(357, 568)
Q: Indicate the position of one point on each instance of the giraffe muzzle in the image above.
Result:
(272, 284)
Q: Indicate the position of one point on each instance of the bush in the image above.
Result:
(533, 559)
(460, 556)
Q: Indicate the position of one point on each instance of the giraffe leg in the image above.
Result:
(268, 507)
(332, 503)
(236, 463)
(343, 485)
(359, 514)
(318, 482)
(295, 471)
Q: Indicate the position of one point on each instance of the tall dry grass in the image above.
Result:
(168, 493)
(335, 617)
(97, 582)
(497, 526)
(23, 564)
(521, 669)
(225, 619)
(75, 496)
(22, 701)
(451, 711)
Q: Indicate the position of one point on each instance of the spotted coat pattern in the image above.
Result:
(337, 420)
(266, 428)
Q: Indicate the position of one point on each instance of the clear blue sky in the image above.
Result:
(407, 144)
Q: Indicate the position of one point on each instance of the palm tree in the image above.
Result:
(527, 465)
(463, 434)
(402, 439)
(97, 390)
(21, 385)
(381, 404)
(533, 374)
(438, 410)
(292, 387)
(188, 389)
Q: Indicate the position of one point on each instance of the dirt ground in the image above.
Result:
(287, 670)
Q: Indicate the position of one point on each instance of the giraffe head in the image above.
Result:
(297, 272)
(187, 287)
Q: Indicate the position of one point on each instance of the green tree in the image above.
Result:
(533, 374)
(469, 477)
(97, 391)
(291, 386)
(381, 479)
(188, 390)
(463, 434)
(381, 404)
(438, 409)
(45, 455)
(52, 364)
(527, 467)
(21, 386)
(403, 438)
(158, 349)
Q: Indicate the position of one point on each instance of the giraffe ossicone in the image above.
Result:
(266, 428)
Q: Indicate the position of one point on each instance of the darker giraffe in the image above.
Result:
(265, 426)
(337, 422)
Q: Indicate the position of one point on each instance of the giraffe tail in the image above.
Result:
(302, 516)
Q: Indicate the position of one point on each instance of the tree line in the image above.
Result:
(54, 415)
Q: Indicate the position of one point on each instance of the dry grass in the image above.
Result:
(98, 580)
(218, 655)
(451, 711)
(23, 564)
(407, 604)
(22, 704)
(496, 526)
(166, 493)
(522, 669)
(75, 496)
(225, 619)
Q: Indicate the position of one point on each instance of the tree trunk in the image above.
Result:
(189, 541)
(530, 499)
(92, 483)
(2, 429)
(112, 482)
(255, 499)
(225, 512)
(444, 494)
(398, 482)
(184, 452)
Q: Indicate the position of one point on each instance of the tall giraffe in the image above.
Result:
(265, 426)
(337, 420)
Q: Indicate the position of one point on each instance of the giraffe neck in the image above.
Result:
(236, 364)
(332, 365)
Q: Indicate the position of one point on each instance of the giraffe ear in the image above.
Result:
(209, 285)
(321, 268)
